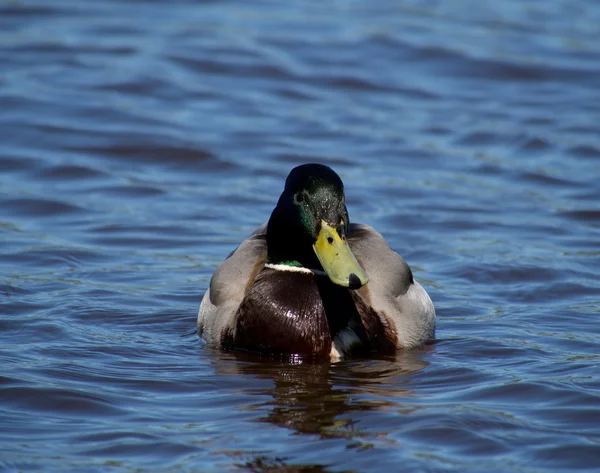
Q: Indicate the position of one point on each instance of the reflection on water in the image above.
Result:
(323, 399)
(317, 398)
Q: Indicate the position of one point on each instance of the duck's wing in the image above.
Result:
(403, 306)
(229, 284)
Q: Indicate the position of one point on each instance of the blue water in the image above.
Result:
(141, 141)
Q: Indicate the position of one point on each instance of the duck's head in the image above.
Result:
(309, 225)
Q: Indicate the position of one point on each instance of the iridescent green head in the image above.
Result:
(308, 226)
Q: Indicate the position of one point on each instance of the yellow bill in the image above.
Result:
(337, 260)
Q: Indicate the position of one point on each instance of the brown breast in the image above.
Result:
(297, 313)
(282, 313)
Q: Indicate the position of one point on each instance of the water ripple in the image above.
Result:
(143, 140)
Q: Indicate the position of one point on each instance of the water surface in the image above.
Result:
(141, 141)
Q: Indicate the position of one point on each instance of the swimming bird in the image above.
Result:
(308, 283)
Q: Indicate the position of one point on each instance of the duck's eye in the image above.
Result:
(330, 240)
(298, 198)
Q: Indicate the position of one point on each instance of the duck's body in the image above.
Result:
(365, 300)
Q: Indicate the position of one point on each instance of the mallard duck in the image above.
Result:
(309, 283)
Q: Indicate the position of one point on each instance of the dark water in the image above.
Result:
(140, 141)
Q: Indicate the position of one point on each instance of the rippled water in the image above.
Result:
(142, 140)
